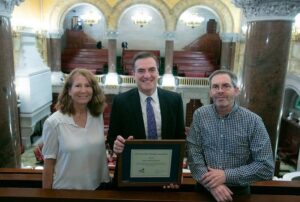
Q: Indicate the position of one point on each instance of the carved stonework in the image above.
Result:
(269, 9)
(7, 6)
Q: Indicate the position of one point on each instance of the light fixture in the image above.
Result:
(296, 28)
(111, 79)
(192, 19)
(91, 18)
(141, 18)
(244, 29)
(168, 80)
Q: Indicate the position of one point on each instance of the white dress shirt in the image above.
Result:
(156, 109)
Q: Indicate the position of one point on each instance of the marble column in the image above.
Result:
(228, 50)
(112, 79)
(112, 51)
(10, 150)
(54, 51)
(268, 38)
(169, 57)
(169, 50)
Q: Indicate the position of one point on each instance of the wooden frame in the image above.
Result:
(151, 163)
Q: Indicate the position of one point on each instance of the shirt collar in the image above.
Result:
(154, 96)
(233, 110)
(68, 119)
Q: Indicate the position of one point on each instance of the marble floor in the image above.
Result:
(28, 159)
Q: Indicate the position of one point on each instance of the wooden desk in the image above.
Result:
(30, 178)
(37, 194)
(276, 187)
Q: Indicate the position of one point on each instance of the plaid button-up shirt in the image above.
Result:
(237, 143)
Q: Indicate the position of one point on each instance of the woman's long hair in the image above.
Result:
(96, 104)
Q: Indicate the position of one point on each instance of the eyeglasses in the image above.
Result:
(225, 87)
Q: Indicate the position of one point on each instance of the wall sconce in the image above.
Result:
(124, 45)
(141, 18)
(168, 80)
(91, 18)
(192, 19)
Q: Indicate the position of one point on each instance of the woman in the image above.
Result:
(74, 143)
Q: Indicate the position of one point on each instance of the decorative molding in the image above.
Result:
(7, 7)
(258, 10)
(293, 82)
(219, 8)
(55, 35)
(230, 37)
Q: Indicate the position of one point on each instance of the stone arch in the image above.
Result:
(120, 7)
(61, 8)
(223, 12)
(293, 82)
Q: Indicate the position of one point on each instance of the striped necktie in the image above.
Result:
(152, 132)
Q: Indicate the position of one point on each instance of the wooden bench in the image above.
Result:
(95, 60)
(127, 59)
(12, 179)
(193, 64)
(95, 68)
(17, 177)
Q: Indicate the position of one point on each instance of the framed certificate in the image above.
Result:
(151, 163)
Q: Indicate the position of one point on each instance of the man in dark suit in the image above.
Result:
(129, 120)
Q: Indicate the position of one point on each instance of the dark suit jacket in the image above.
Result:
(126, 117)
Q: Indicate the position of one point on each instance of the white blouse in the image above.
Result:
(80, 153)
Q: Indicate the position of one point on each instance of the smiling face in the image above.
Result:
(146, 75)
(223, 93)
(80, 91)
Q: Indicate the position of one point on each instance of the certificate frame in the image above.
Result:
(154, 156)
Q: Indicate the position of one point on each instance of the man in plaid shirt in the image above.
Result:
(228, 145)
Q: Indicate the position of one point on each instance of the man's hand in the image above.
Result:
(221, 193)
(213, 178)
(186, 130)
(119, 144)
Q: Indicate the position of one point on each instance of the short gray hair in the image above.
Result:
(232, 76)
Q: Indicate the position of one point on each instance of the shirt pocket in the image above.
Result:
(237, 147)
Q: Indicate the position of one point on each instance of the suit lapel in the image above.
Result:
(163, 112)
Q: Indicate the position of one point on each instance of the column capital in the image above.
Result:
(170, 36)
(112, 34)
(55, 34)
(7, 7)
(229, 37)
(258, 10)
